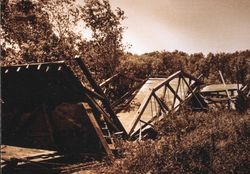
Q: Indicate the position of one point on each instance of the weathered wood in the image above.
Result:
(96, 106)
(107, 81)
(97, 128)
(173, 91)
(129, 93)
(147, 123)
(48, 123)
(197, 80)
(98, 89)
(193, 93)
(35, 155)
(140, 112)
(162, 105)
(167, 80)
(176, 92)
(163, 108)
(223, 81)
(93, 94)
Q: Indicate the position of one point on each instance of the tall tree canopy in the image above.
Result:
(38, 31)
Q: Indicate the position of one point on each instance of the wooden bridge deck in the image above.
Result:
(128, 115)
(26, 154)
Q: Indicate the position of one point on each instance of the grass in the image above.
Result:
(190, 142)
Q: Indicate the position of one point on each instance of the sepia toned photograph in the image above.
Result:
(125, 86)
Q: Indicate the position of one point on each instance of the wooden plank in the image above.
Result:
(173, 91)
(140, 112)
(95, 105)
(11, 152)
(107, 81)
(176, 92)
(167, 80)
(193, 93)
(98, 89)
(97, 128)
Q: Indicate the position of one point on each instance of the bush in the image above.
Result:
(213, 142)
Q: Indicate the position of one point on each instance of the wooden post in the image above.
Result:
(176, 92)
(193, 93)
(97, 128)
(98, 89)
(140, 112)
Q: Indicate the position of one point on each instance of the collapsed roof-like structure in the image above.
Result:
(48, 112)
(156, 99)
(45, 106)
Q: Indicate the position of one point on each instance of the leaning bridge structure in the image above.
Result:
(48, 113)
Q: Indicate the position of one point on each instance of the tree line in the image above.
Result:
(235, 67)
(42, 31)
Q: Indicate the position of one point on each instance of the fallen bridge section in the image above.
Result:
(156, 99)
(46, 107)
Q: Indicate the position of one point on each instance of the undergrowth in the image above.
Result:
(190, 142)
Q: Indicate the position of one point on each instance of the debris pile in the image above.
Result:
(49, 114)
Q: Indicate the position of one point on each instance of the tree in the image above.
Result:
(29, 36)
(38, 31)
(106, 46)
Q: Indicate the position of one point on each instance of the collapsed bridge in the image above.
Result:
(48, 113)
(156, 99)
(46, 107)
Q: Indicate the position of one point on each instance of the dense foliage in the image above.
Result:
(235, 67)
(39, 31)
(212, 142)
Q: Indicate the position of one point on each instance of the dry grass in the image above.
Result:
(212, 142)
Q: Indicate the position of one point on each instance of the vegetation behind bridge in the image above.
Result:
(40, 31)
(213, 142)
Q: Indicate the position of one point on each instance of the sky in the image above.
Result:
(186, 25)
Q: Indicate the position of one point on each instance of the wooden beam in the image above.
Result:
(140, 112)
(107, 81)
(146, 123)
(96, 106)
(129, 93)
(223, 81)
(97, 128)
(162, 104)
(173, 91)
(176, 92)
(193, 93)
(93, 94)
(184, 74)
(98, 89)
(167, 80)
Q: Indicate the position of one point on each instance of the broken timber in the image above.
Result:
(163, 95)
(45, 106)
(98, 89)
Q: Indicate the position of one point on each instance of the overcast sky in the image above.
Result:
(186, 25)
